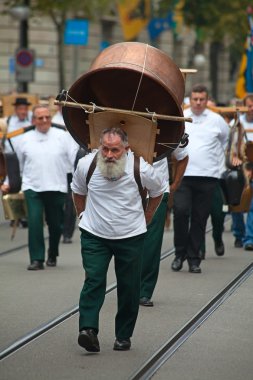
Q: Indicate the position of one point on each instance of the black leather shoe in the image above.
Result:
(145, 301)
(177, 264)
(194, 269)
(122, 345)
(35, 265)
(88, 340)
(238, 243)
(51, 262)
(219, 248)
(248, 247)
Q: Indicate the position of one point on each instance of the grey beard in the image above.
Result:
(111, 170)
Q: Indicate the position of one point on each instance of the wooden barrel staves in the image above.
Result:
(132, 76)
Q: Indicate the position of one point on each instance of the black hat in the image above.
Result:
(21, 101)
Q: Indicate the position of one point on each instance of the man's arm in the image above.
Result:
(79, 202)
(179, 169)
(153, 204)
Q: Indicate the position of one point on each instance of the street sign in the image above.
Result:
(24, 63)
(76, 32)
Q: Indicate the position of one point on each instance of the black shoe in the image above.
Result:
(51, 262)
(24, 223)
(194, 269)
(145, 301)
(88, 340)
(67, 240)
(122, 345)
(35, 265)
(219, 248)
(248, 247)
(177, 264)
(238, 243)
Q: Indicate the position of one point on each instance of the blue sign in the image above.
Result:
(76, 32)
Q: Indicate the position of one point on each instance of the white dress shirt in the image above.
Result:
(44, 159)
(114, 208)
(179, 154)
(208, 137)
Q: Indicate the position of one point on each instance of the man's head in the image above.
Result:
(198, 99)
(21, 108)
(41, 118)
(112, 153)
(248, 102)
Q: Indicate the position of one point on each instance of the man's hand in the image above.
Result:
(5, 188)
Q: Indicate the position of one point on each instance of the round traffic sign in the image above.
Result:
(24, 58)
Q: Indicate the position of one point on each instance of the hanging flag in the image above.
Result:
(244, 82)
(159, 24)
(134, 16)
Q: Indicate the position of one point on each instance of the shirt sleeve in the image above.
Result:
(153, 180)
(180, 153)
(78, 184)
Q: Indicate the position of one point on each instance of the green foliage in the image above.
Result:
(219, 19)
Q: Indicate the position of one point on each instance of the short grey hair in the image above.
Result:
(115, 131)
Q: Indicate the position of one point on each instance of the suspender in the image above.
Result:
(137, 177)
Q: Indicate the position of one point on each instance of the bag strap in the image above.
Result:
(91, 169)
(137, 177)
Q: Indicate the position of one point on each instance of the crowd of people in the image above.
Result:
(104, 193)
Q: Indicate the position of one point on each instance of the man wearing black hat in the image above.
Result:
(20, 119)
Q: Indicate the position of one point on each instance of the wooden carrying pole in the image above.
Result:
(92, 108)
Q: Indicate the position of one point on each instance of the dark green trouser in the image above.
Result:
(152, 250)
(96, 254)
(52, 204)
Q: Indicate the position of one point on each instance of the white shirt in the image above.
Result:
(179, 154)
(247, 125)
(208, 137)
(14, 123)
(44, 159)
(114, 208)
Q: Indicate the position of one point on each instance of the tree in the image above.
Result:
(214, 21)
(58, 11)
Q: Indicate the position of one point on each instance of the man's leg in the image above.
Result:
(69, 214)
(182, 201)
(152, 250)
(238, 228)
(35, 210)
(248, 241)
(217, 218)
(54, 209)
(128, 260)
(96, 256)
(202, 199)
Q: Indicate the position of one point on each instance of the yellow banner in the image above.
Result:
(134, 16)
(240, 86)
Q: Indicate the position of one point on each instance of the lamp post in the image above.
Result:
(22, 13)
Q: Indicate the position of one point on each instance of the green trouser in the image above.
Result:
(217, 216)
(96, 254)
(152, 250)
(50, 204)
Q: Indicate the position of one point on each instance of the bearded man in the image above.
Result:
(112, 223)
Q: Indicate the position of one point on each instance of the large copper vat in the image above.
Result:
(135, 77)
